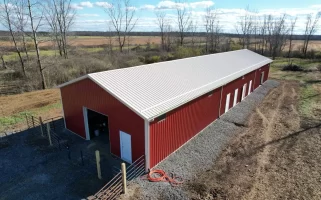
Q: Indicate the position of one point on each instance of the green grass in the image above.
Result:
(9, 121)
(93, 50)
(310, 97)
(13, 120)
(309, 100)
(14, 55)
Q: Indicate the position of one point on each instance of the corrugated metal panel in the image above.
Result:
(188, 120)
(151, 90)
(258, 72)
(182, 124)
(88, 94)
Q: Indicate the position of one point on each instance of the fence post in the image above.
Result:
(33, 122)
(27, 121)
(49, 136)
(98, 164)
(41, 129)
(123, 173)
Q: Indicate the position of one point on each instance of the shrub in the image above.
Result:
(167, 57)
(235, 46)
(133, 62)
(292, 67)
(184, 52)
(152, 59)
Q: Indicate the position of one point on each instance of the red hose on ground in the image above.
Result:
(158, 175)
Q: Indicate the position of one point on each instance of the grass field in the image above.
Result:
(310, 84)
(13, 108)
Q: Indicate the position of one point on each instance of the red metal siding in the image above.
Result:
(258, 72)
(182, 124)
(236, 84)
(88, 94)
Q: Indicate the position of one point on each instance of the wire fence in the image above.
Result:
(48, 129)
(114, 188)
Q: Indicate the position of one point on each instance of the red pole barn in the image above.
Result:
(153, 110)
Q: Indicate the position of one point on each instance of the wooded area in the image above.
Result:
(31, 23)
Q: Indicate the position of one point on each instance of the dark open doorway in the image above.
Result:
(97, 125)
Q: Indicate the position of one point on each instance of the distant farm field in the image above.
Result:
(90, 41)
(93, 41)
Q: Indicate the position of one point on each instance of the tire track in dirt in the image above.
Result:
(263, 157)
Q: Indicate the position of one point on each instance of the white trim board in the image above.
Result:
(147, 145)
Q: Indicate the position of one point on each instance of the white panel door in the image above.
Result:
(262, 78)
(227, 103)
(235, 96)
(243, 91)
(250, 87)
(125, 146)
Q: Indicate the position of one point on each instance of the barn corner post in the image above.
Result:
(147, 146)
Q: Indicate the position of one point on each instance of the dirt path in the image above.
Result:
(273, 158)
(264, 157)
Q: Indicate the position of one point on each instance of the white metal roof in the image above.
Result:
(154, 89)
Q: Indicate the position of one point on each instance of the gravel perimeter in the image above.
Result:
(200, 153)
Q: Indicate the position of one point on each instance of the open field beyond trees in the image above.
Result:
(99, 43)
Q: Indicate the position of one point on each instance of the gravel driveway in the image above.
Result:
(200, 153)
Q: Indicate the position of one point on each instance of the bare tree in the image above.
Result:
(310, 29)
(183, 20)
(60, 17)
(263, 33)
(244, 28)
(122, 16)
(7, 12)
(256, 30)
(169, 37)
(213, 29)
(52, 21)
(34, 28)
(110, 38)
(277, 34)
(2, 53)
(21, 21)
(291, 32)
(65, 17)
(193, 31)
(161, 22)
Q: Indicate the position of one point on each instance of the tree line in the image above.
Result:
(24, 20)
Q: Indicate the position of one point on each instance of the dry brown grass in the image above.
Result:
(13, 104)
(97, 41)
(276, 157)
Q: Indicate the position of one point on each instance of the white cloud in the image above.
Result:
(87, 4)
(131, 8)
(103, 4)
(76, 6)
(147, 7)
(201, 4)
(316, 6)
(88, 15)
(170, 5)
(163, 5)
(228, 17)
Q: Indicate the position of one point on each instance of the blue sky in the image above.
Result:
(91, 15)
